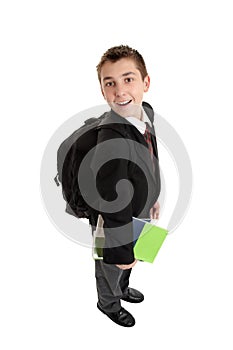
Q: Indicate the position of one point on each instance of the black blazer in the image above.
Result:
(127, 183)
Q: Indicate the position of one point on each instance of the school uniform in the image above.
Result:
(135, 170)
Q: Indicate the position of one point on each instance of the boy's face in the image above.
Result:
(123, 87)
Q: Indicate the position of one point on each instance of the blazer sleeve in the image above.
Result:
(118, 228)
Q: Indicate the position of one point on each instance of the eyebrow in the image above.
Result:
(123, 75)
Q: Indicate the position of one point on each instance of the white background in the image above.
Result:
(49, 50)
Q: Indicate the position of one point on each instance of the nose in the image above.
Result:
(119, 90)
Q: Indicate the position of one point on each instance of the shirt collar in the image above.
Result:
(139, 124)
(145, 118)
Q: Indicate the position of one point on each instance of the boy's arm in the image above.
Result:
(118, 226)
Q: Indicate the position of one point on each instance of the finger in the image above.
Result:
(151, 213)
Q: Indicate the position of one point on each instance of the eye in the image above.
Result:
(109, 84)
(128, 80)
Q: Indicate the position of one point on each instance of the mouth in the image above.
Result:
(123, 103)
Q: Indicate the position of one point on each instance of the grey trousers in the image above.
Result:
(112, 284)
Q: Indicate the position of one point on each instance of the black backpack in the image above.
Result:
(69, 157)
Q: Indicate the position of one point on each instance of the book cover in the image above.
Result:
(148, 239)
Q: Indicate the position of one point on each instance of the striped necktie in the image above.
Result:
(147, 136)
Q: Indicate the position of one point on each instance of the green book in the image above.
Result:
(149, 240)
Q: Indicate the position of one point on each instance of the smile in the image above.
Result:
(123, 103)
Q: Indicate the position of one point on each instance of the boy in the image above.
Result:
(123, 81)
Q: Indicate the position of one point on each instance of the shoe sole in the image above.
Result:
(133, 302)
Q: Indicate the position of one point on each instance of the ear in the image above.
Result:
(146, 83)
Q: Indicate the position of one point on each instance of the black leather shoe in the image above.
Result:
(121, 317)
(133, 296)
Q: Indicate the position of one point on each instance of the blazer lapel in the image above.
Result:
(144, 156)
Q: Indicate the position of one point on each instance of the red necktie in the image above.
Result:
(147, 136)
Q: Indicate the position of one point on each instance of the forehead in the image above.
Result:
(118, 68)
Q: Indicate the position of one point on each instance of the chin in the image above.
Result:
(131, 110)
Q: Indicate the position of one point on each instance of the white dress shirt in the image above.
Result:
(140, 124)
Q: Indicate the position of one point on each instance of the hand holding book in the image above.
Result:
(148, 239)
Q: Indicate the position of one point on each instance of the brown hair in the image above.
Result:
(123, 51)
